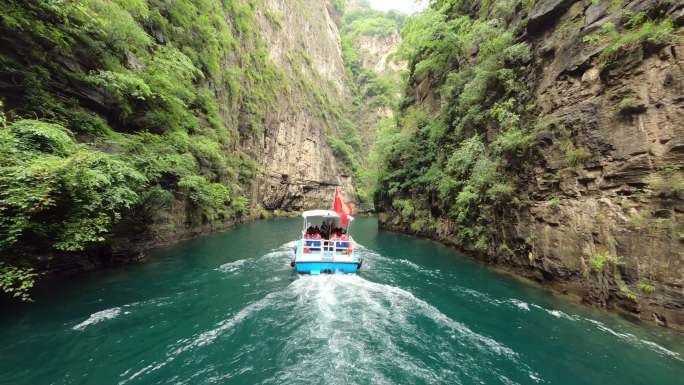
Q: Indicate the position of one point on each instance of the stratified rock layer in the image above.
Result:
(629, 115)
(297, 167)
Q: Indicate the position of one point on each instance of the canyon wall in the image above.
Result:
(297, 167)
(190, 117)
(370, 39)
(589, 200)
(626, 200)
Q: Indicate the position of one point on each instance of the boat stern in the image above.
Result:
(318, 256)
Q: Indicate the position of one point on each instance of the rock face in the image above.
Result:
(611, 229)
(376, 52)
(629, 115)
(295, 166)
(258, 116)
(297, 169)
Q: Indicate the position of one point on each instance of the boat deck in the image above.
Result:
(316, 256)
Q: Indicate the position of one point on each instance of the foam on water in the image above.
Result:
(276, 255)
(625, 337)
(358, 329)
(355, 328)
(367, 327)
(520, 304)
(98, 317)
(232, 267)
(632, 339)
(115, 312)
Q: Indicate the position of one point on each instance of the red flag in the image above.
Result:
(341, 207)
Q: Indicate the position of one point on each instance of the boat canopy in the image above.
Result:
(323, 214)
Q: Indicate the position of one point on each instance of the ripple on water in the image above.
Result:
(352, 328)
(362, 329)
(357, 329)
(204, 338)
(273, 258)
(232, 267)
(626, 337)
(115, 312)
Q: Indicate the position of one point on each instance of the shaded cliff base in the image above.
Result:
(132, 247)
(596, 290)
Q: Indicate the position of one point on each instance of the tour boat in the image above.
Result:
(325, 253)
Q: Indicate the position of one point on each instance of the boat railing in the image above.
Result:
(320, 246)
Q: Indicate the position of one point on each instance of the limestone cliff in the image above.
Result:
(370, 39)
(192, 116)
(597, 209)
(297, 167)
(376, 53)
(623, 201)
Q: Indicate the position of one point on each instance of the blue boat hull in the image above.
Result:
(315, 268)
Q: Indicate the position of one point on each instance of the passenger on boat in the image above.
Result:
(325, 230)
(339, 234)
(313, 233)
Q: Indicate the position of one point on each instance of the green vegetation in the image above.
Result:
(668, 181)
(137, 107)
(576, 157)
(58, 193)
(635, 32)
(16, 282)
(3, 118)
(463, 158)
(364, 21)
(340, 5)
(598, 262)
(647, 288)
(554, 203)
(629, 106)
(373, 91)
(632, 296)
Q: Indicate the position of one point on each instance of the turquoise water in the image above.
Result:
(227, 309)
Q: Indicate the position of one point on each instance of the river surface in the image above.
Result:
(228, 309)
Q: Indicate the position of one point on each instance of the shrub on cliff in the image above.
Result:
(647, 288)
(210, 198)
(460, 155)
(668, 181)
(635, 32)
(56, 193)
(135, 97)
(598, 262)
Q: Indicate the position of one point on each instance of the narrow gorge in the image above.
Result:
(541, 137)
(139, 123)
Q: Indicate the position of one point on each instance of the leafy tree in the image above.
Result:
(461, 157)
(16, 281)
(145, 113)
(57, 192)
